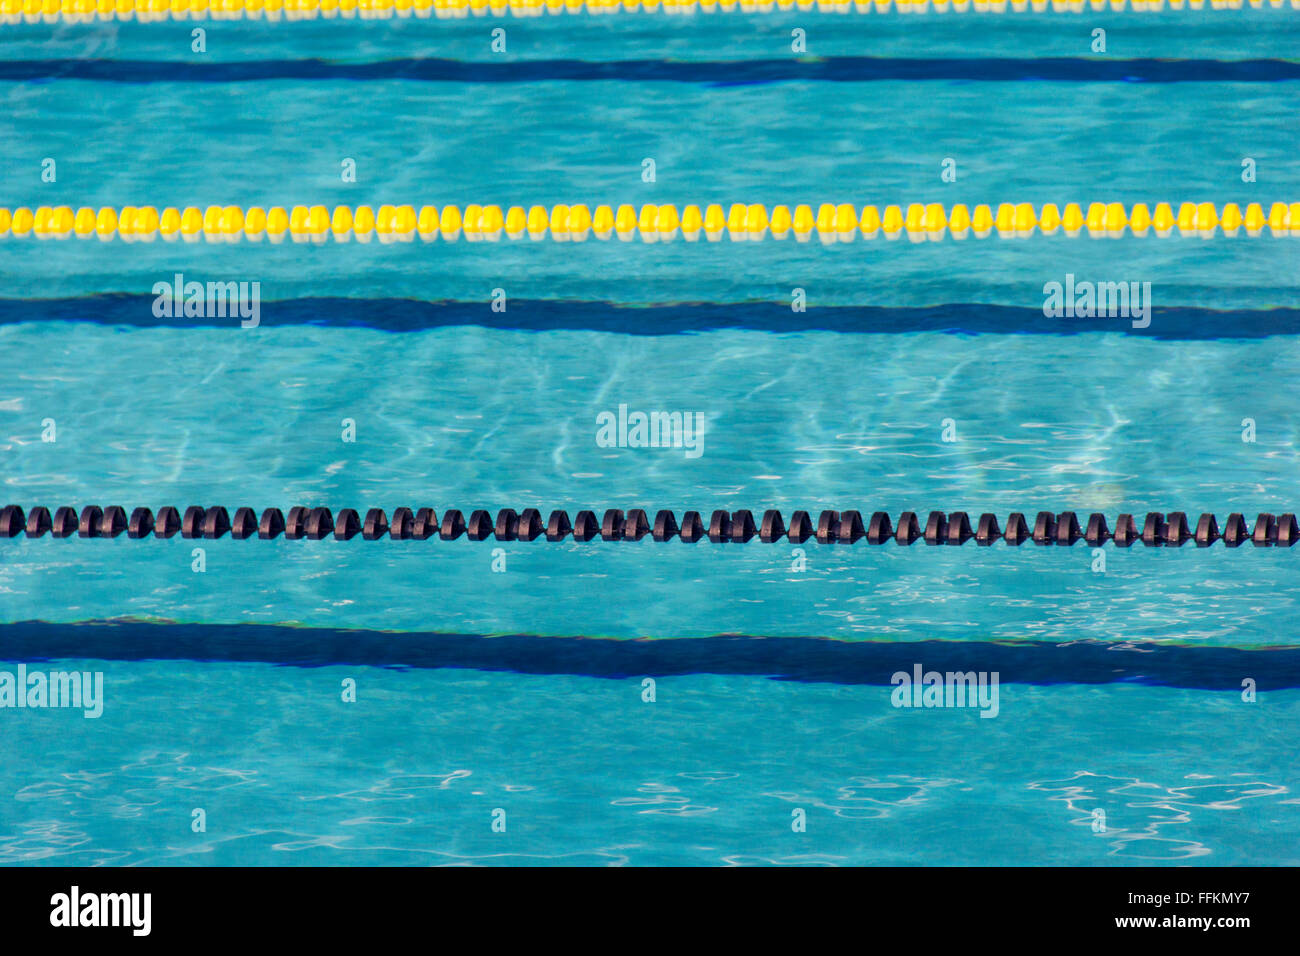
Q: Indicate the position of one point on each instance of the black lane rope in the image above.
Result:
(831, 527)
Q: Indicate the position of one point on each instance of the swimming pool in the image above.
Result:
(512, 676)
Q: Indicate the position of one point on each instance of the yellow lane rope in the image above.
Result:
(49, 11)
(651, 223)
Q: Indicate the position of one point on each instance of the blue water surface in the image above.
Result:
(1157, 686)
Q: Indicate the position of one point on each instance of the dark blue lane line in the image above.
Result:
(848, 69)
(804, 659)
(408, 315)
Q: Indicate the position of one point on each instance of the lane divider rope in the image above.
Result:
(149, 11)
(831, 527)
(830, 223)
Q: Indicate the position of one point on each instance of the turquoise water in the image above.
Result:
(590, 775)
(458, 406)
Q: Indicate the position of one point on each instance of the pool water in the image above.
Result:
(408, 702)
